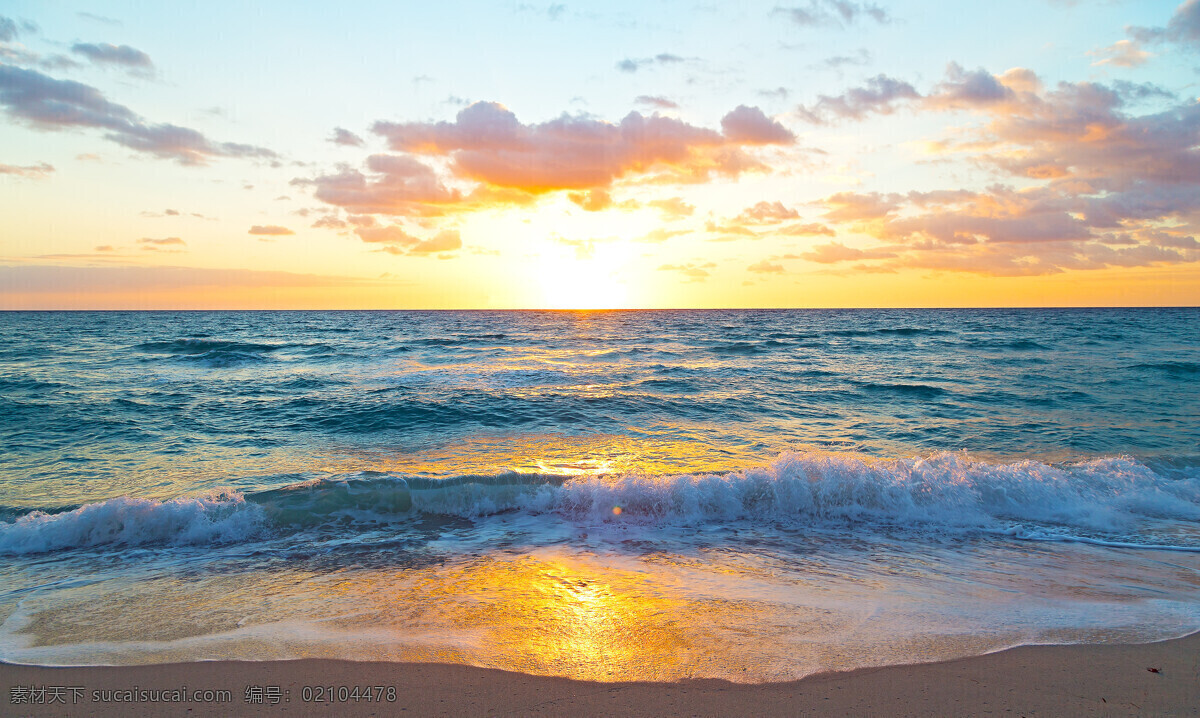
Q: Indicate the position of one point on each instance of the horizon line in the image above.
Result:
(615, 309)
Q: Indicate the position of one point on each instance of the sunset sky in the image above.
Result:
(405, 155)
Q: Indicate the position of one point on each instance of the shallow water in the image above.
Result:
(753, 495)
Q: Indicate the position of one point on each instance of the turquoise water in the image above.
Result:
(828, 488)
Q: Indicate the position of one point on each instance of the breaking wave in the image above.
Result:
(1114, 501)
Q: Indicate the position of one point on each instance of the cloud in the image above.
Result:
(694, 271)
(86, 285)
(660, 234)
(488, 144)
(730, 230)
(1183, 28)
(852, 206)
(657, 102)
(748, 125)
(1017, 260)
(593, 201)
(99, 18)
(766, 267)
(1085, 131)
(553, 12)
(45, 103)
(963, 90)
(346, 137)
(878, 95)
(1122, 53)
(399, 185)
(173, 213)
(861, 57)
(329, 222)
(397, 241)
(444, 241)
(806, 230)
(673, 208)
(41, 170)
(19, 55)
(766, 213)
(837, 252)
(663, 58)
(166, 244)
(391, 234)
(835, 13)
(125, 56)
(1037, 230)
(105, 248)
(584, 248)
(270, 230)
(597, 200)
(8, 29)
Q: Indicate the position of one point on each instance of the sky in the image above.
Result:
(817, 153)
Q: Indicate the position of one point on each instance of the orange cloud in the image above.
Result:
(660, 235)
(852, 206)
(695, 272)
(391, 234)
(41, 170)
(673, 208)
(400, 185)
(1122, 53)
(766, 267)
(806, 230)
(397, 241)
(488, 144)
(156, 244)
(270, 230)
(730, 230)
(444, 241)
(766, 213)
(837, 252)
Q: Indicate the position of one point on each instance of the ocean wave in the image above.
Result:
(219, 517)
(916, 390)
(885, 331)
(218, 353)
(1171, 367)
(204, 346)
(738, 348)
(1113, 501)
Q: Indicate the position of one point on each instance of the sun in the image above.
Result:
(592, 282)
(581, 284)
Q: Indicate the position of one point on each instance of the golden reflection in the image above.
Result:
(555, 454)
(554, 617)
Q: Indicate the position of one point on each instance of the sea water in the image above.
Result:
(750, 495)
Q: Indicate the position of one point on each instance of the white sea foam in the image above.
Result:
(218, 517)
(1115, 501)
(945, 491)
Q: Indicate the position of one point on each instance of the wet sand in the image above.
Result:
(1100, 680)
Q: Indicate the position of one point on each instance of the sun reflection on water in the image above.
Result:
(551, 617)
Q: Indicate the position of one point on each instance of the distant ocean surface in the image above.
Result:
(751, 495)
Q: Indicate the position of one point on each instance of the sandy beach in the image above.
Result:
(1098, 680)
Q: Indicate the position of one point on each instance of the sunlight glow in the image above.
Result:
(591, 283)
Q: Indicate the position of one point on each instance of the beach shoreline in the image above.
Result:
(1061, 680)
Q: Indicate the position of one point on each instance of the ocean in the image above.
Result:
(619, 495)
